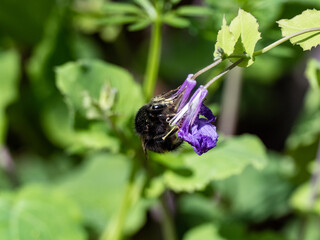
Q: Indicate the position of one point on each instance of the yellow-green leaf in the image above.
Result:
(307, 19)
(225, 40)
(245, 27)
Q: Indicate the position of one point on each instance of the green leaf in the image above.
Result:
(175, 21)
(117, 20)
(310, 228)
(307, 19)
(206, 231)
(120, 7)
(96, 89)
(301, 199)
(10, 72)
(99, 188)
(197, 209)
(307, 128)
(269, 190)
(194, 11)
(59, 130)
(148, 8)
(39, 213)
(244, 28)
(313, 73)
(225, 40)
(228, 158)
(139, 25)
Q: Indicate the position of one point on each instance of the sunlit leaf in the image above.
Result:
(206, 231)
(302, 199)
(244, 28)
(225, 40)
(307, 19)
(39, 213)
(10, 71)
(228, 158)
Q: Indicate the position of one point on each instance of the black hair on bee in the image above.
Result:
(152, 124)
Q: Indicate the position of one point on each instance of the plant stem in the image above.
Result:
(224, 72)
(230, 102)
(153, 60)
(315, 179)
(168, 228)
(114, 230)
(282, 40)
(215, 63)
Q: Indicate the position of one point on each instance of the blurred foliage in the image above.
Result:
(9, 67)
(69, 92)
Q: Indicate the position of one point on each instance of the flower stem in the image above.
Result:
(153, 60)
(282, 40)
(114, 230)
(215, 63)
(224, 72)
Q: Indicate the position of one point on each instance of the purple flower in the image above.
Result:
(199, 132)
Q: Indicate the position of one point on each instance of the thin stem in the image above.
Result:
(168, 228)
(224, 72)
(282, 40)
(215, 63)
(153, 60)
(315, 179)
(114, 230)
(230, 102)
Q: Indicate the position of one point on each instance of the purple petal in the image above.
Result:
(202, 136)
(205, 111)
(195, 106)
(199, 132)
(187, 87)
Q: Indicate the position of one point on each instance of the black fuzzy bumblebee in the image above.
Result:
(152, 124)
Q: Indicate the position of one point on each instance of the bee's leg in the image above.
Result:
(172, 131)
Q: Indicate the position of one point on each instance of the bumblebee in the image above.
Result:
(152, 124)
